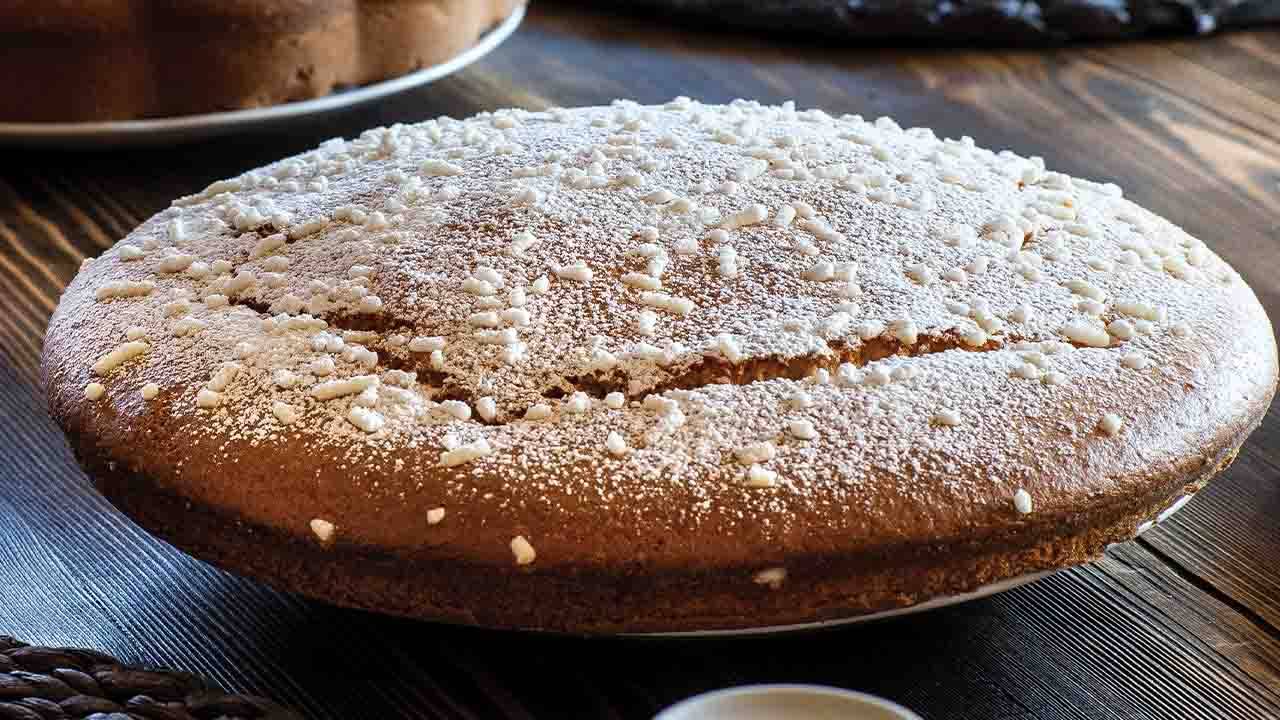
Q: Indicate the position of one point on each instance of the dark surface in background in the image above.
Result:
(997, 22)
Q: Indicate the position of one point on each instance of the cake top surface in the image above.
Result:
(741, 317)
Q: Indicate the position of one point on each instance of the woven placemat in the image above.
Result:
(46, 683)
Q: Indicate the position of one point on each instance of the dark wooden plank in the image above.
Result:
(1231, 536)
(1248, 60)
(33, 589)
(1183, 625)
(1233, 639)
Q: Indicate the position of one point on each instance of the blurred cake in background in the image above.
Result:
(87, 60)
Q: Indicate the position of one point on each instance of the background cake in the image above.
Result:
(654, 368)
(85, 60)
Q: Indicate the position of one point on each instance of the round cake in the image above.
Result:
(99, 60)
(649, 369)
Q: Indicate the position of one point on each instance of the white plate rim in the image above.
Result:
(222, 121)
(931, 604)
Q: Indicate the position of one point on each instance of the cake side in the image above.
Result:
(604, 599)
(123, 61)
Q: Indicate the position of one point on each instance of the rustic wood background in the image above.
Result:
(1184, 623)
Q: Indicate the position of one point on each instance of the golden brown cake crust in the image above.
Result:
(597, 600)
(69, 61)
(917, 408)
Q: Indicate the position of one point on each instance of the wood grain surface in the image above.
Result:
(1184, 623)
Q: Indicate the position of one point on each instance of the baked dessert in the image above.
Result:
(629, 368)
(97, 60)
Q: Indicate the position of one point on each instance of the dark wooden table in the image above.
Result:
(1184, 623)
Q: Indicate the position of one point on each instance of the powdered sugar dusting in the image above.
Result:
(574, 302)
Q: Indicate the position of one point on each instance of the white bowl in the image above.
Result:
(792, 702)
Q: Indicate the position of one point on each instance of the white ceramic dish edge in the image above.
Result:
(984, 591)
(799, 702)
(933, 604)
